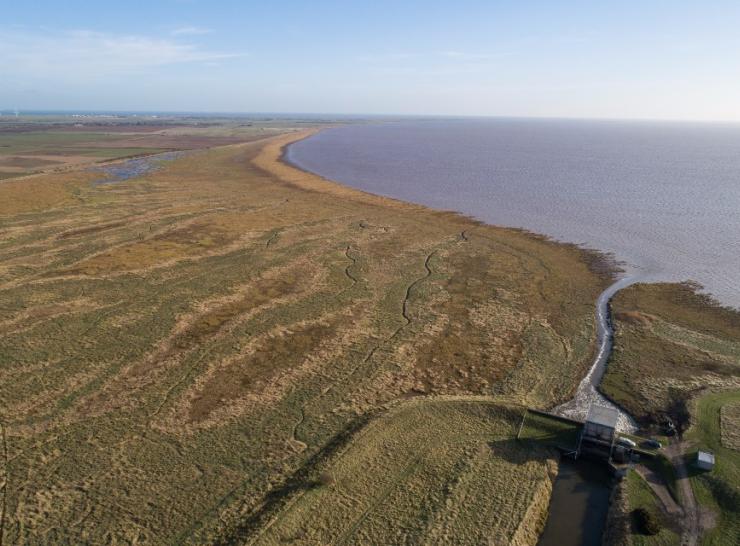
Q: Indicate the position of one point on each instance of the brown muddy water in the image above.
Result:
(662, 196)
(579, 504)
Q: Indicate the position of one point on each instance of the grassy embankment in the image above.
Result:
(640, 496)
(444, 471)
(716, 427)
(182, 352)
(549, 430)
(677, 353)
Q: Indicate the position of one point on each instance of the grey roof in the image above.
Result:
(705, 457)
(602, 415)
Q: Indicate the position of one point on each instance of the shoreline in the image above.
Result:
(288, 306)
(588, 387)
(619, 277)
(604, 333)
(602, 263)
(651, 260)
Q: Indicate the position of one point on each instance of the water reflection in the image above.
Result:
(133, 168)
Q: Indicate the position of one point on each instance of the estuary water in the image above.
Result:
(663, 197)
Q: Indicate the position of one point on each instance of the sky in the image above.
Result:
(676, 59)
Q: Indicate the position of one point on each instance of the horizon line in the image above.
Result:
(11, 112)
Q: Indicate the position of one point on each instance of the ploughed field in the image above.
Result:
(226, 348)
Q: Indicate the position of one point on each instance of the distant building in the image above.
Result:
(705, 460)
(601, 425)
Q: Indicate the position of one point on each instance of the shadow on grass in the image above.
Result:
(726, 496)
(517, 451)
(304, 479)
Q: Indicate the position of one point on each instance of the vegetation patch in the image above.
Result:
(268, 358)
(730, 423)
(141, 319)
(270, 289)
(670, 343)
(718, 490)
(649, 525)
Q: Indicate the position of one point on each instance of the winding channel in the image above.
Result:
(587, 392)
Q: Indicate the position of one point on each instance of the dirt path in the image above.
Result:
(688, 510)
(659, 487)
(587, 392)
(690, 524)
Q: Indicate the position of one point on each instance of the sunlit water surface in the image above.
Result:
(663, 197)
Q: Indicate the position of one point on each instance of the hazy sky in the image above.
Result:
(626, 59)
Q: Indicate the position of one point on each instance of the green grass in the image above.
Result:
(718, 490)
(639, 495)
(669, 343)
(663, 467)
(549, 431)
(35, 141)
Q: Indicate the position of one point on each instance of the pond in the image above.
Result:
(133, 168)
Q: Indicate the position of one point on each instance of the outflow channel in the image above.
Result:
(587, 393)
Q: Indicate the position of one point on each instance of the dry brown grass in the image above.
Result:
(391, 485)
(633, 317)
(179, 345)
(671, 342)
(33, 194)
(270, 356)
(730, 425)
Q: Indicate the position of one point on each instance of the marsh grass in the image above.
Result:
(670, 343)
(178, 348)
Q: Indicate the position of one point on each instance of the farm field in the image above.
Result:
(178, 349)
(48, 144)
